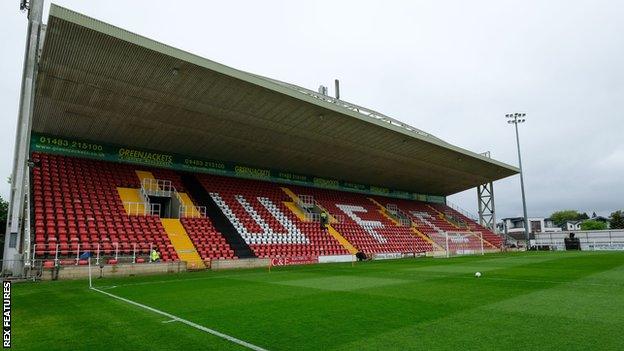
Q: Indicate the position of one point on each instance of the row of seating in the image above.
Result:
(258, 213)
(77, 208)
(362, 224)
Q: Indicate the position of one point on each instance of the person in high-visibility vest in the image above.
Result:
(154, 256)
(323, 219)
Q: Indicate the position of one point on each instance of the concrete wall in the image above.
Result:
(217, 265)
(110, 271)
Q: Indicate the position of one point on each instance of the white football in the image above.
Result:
(478, 274)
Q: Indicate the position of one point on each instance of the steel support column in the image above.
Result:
(15, 237)
(487, 209)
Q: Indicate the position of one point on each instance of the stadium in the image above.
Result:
(160, 198)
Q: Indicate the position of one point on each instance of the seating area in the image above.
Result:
(77, 209)
(209, 243)
(257, 211)
(488, 235)
(362, 224)
(428, 221)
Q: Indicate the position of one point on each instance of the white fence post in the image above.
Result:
(56, 255)
(77, 254)
(481, 237)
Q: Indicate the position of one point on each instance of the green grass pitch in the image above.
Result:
(523, 301)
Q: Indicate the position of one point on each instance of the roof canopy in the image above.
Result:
(101, 83)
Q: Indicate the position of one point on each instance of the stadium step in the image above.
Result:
(293, 205)
(143, 175)
(182, 243)
(296, 210)
(342, 240)
(290, 194)
(425, 237)
(383, 212)
(219, 220)
(188, 204)
(443, 217)
(134, 196)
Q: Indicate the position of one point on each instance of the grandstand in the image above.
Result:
(131, 145)
(127, 147)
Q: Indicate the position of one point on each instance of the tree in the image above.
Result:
(591, 224)
(582, 216)
(4, 209)
(560, 217)
(617, 220)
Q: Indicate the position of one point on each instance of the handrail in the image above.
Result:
(134, 208)
(192, 212)
(157, 187)
(306, 200)
(461, 211)
(398, 214)
(74, 254)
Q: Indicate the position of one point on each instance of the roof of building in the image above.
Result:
(101, 83)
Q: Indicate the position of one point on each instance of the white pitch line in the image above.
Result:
(187, 322)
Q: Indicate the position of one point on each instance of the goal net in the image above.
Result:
(457, 243)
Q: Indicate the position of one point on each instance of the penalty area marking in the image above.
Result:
(187, 322)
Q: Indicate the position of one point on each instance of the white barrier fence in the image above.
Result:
(589, 239)
(116, 251)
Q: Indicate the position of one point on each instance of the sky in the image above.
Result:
(451, 68)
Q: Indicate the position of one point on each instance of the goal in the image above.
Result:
(457, 243)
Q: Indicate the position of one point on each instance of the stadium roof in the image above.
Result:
(102, 83)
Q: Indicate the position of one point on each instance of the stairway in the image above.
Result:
(342, 240)
(219, 220)
(182, 243)
(132, 200)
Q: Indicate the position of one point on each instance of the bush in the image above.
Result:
(593, 225)
(617, 220)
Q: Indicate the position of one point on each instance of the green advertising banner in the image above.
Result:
(106, 152)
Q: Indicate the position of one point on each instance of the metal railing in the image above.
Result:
(306, 201)
(316, 217)
(192, 211)
(461, 211)
(64, 256)
(400, 216)
(157, 187)
(313, 216)
(141, 208)
(338, 218)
